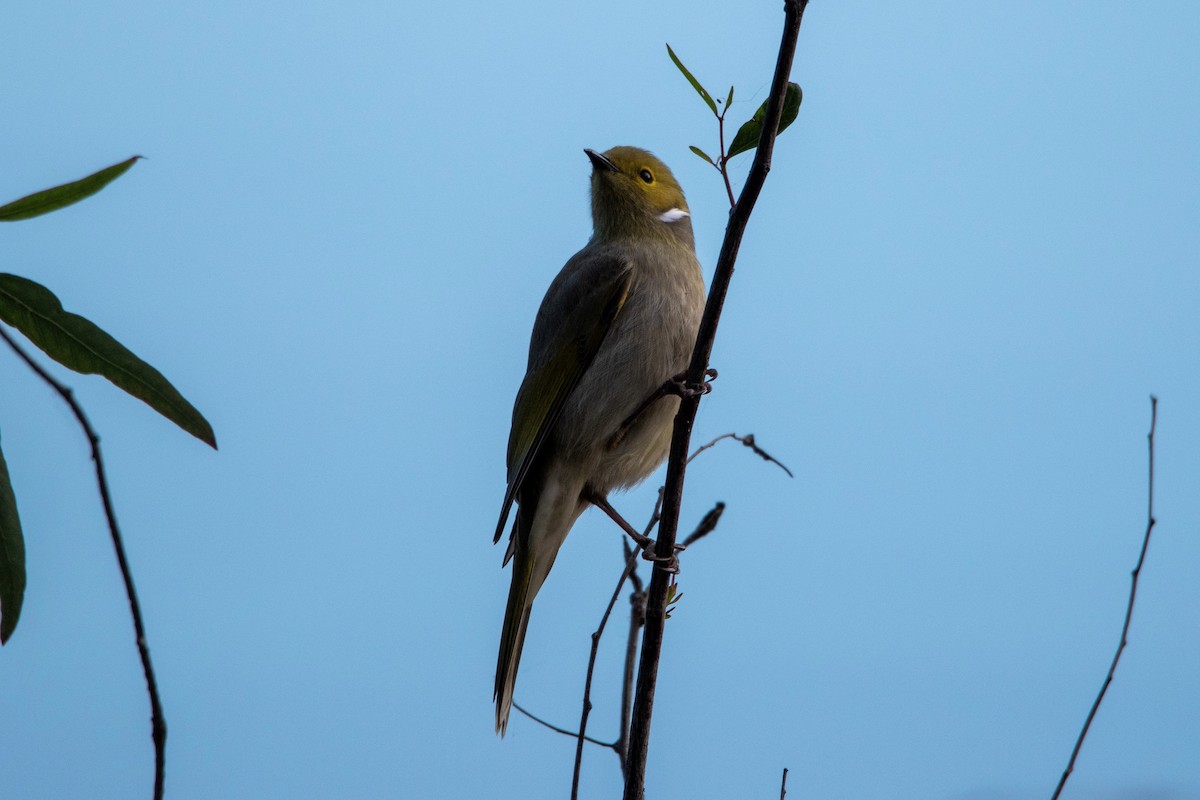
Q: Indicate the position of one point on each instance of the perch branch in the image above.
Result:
(639, 736)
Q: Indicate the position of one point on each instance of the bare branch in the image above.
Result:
(1137, 571)
(637, 618)
(639, 734)
(158, 723)
(630, 565)
(748, 441)
(783, 785)
(563, 731)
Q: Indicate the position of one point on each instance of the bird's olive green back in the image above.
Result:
(564, 346)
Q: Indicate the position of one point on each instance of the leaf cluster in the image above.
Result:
(748, 135)
(80, 345)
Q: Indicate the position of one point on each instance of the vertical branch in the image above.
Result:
(639, 736)
(158, 724)
(630, 566)
(1137, 571)
(637, 618)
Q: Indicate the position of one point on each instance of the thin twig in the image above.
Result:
(1137, 571)
(639, 733)
(637, 618)
(723, 160)
(563, 731)
(783, 785)
(708, 524)
(630, 565)
(158, 724)
(748, 441)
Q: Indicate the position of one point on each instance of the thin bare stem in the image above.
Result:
(783, 785)
(637, 618)
(643, 706)
(748, 441)
(630, 565)
(723, 160)
(563, 731)
(1137, 571)
(158, 724)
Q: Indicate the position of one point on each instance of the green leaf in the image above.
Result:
(12, 557)
(701, 153)
(749, 134)
(48, 200)
(729, 99)
(692, 80)
(78, 344)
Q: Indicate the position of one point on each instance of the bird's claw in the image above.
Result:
(669, 564)
(680, 386)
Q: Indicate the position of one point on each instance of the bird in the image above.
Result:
(615, 327)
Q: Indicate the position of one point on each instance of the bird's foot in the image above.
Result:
(670, 564)
(677, 386)
(680, 386)
(600, 501)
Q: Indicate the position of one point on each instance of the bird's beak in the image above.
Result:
(599, 162)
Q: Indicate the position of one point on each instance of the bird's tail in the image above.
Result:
(512, 636)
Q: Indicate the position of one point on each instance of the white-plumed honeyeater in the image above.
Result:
(618, 322)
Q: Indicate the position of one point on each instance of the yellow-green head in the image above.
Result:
(634, 194)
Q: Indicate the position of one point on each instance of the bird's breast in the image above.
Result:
(651, 341)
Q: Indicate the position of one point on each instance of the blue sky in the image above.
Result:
(973, 262)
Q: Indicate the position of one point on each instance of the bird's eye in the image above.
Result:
(646, 176)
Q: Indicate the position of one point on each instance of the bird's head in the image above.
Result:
(634, 194)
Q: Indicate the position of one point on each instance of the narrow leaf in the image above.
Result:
(729, 99)
(749, 134)
(78, 344)
(701, 153)
(12, 557)
(48, 200)
(692, 80)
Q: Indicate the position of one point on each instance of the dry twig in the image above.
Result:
(563, 731)
(1137, 571)
(158, 723)
(748, 441)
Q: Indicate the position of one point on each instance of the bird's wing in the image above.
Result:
(576, 316)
